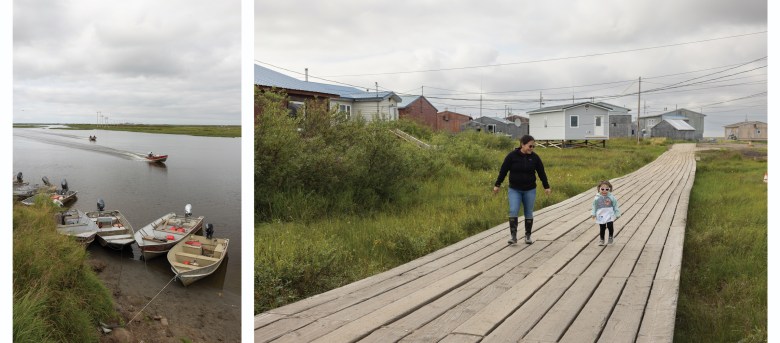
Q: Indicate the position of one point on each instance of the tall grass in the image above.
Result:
(57, 297)
(324, 219)
(723, 286)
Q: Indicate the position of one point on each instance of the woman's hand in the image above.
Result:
(547, 191)
(495, 189)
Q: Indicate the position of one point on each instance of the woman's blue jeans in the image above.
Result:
(527, 198)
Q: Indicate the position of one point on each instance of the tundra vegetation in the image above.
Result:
(191, 130)
(56, 295)
(340, 199)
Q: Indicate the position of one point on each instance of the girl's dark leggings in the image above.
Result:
(604, 226)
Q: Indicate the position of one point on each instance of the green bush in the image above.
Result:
(324, 156)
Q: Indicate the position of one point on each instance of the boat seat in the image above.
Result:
(112, 229)
(183, 266)
(115, 237)
(207, 258)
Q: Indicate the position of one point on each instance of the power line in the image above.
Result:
(548, 59)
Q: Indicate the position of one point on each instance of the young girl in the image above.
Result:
(605, 210)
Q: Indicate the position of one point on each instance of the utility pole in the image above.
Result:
(638, 108)
(376, 85)
(540, 100)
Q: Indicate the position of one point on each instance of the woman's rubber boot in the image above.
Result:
(513, 230)
(529, 223)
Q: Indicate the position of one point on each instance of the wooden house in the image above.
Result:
(496, 125)
(620, 121)
(747, 131)
(579, 123)
(693, 118)
(451, 121)
(417, 108)
(352, 101)
(674, 129)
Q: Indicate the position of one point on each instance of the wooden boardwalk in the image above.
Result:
(563, 288)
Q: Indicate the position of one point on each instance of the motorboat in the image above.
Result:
(159, 236)
(196, 257)
(77, 225)
(114, 230)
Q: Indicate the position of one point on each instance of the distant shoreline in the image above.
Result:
(193, 130)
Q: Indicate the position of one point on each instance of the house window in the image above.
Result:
(346, 109)
(598, 121)
(296, 108)
(491, 128)
(758, 132)
(574, 121)
(651, 122)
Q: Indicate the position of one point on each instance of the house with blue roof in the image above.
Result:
(379, 105)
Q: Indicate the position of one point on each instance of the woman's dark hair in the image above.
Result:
(526, 138)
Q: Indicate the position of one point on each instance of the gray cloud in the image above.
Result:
(141, 62)
(346, 37)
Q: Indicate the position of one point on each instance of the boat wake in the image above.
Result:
(75, 142)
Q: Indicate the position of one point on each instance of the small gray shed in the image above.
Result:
(674, 129)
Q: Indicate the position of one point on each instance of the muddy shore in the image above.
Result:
(201, 312)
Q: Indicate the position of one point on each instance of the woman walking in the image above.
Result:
(523, 165)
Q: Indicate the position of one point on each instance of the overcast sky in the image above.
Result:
(511, 51)
(155, 62)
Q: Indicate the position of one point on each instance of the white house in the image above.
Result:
(580, 121)
(352, 101)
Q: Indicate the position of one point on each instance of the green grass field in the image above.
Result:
(723, 286)
(192, 130)
(56, 295)
(300, 258)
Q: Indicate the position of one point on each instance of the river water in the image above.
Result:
(202, 171)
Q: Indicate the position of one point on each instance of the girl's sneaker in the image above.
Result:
(601, 242)
(609, 241)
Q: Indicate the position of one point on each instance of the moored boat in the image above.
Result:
(196, 257)
(114, 230)
(60, 198)
(159, 236)
(27, 190)
(77, 225)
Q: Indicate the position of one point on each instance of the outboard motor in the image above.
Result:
(187, 210)
(19, 177)
(64, 185)
(209, 230)
(101, 204)
(46, 181)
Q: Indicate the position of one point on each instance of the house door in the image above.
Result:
(598, 129)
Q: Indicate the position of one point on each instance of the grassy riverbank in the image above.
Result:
(56, 295)
(723, 286)
(326, 218)
(192, 130)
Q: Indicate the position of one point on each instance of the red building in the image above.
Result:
(419, 109)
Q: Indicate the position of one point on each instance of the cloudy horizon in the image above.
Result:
(706, 56)
(148, 62)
